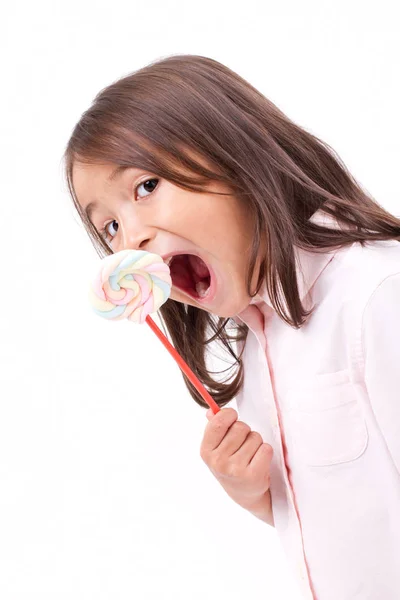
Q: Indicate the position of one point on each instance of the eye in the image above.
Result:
(104, 231)
(145, 184)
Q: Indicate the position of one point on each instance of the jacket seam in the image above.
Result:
(360, 339)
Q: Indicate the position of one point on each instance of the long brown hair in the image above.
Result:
(160, 117)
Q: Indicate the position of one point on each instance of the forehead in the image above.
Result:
(102, 173)
(92, 183)
(99, 174)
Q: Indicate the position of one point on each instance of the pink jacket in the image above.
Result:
(327, 398)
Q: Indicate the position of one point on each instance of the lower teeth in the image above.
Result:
(202, 288)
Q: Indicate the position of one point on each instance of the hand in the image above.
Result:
(237, 457)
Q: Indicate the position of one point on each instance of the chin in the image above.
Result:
(225, 312)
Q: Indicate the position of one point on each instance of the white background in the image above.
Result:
(103, 491)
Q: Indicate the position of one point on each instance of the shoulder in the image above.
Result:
(367, 294)
(361, 270)
(374, 259)
(354, 289)
(382, 308)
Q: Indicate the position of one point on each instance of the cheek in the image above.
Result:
(192, 220)
(202, 217)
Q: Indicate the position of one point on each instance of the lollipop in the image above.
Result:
(131, 284)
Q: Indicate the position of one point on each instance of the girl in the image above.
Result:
(278, 254)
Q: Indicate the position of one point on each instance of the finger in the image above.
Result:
(234, 439)
(247, 450)
(262, 459)
(217, 427)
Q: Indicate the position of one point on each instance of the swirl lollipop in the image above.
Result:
(131, 284)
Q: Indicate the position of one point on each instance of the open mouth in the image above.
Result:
(191, 274)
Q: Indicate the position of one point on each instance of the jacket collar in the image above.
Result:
(309, 266)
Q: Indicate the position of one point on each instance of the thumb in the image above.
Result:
(209, 414)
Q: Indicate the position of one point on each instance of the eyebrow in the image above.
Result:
(116, 174)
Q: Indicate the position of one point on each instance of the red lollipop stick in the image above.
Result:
(184, 366)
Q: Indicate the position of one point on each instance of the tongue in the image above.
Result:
(198, 266)
(188, 273)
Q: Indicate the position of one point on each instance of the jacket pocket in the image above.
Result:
(325, 423)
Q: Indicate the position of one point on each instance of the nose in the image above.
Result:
(136, 238)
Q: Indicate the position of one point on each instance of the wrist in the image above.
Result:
(261, 508)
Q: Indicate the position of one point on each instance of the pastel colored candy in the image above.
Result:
(130, 284)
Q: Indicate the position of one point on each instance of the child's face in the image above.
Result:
(163, 218)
